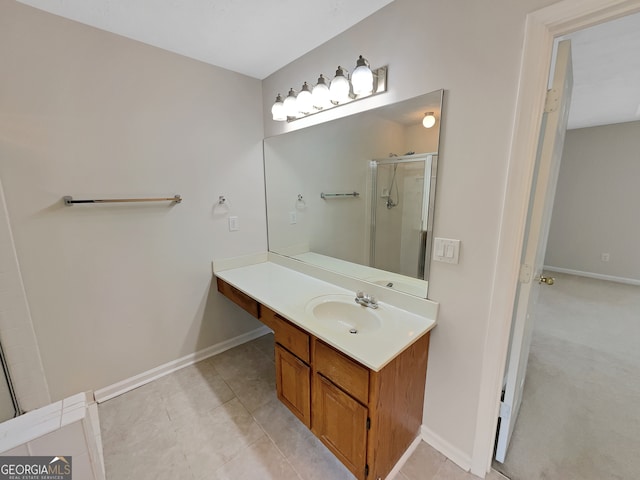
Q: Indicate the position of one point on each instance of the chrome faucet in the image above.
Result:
(366, 300)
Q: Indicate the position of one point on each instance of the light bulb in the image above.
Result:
(362, 78)
(304, 102)
(277, 111)
(290, 107)
(320, 94)
(340, 87)
(429, 120)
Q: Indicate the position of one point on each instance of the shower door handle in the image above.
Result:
(423, 253)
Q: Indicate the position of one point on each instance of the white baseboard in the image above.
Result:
(128, 384)
(599, 276)
(454, 454)
(403, 459)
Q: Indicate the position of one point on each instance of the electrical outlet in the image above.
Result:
(604, 257)
(234, 224)
(293, 218)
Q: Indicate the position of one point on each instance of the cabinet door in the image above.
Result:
(293, 384)
(340, 422)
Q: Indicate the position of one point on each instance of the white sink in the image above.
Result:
(343, 315)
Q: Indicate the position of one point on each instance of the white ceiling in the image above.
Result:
(258, 37)
(606, 73)
(253, 37)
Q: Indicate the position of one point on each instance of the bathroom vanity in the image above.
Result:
(352, 374)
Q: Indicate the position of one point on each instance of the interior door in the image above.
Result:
(552, 133)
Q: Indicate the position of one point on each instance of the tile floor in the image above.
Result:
(220, 419)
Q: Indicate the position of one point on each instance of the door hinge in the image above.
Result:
(552, 101)
(525, 273)
(368, 423)
(505, 411)
(366, 470)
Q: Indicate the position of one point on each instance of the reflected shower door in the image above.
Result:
(8, 404)
(398, 233)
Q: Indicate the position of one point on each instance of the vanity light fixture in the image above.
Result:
(320, 95)
(340, 87)
(304, 102)
(277, 111)
(343, 89)
(429, 120)
(290, 105)
(362, 78)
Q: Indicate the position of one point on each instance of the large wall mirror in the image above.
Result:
(355, 195)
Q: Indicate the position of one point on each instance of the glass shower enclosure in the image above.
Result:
(8, 403)
(402, 198)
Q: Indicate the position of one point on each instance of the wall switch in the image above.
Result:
(234, 224)
(293, 218)
(604, 257)
(446, 250)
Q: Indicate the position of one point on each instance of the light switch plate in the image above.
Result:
(234, 224)
(446, 250)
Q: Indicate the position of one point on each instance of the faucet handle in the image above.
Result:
(359, 294)
(372, 299)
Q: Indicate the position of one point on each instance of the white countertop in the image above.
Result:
(287, 292)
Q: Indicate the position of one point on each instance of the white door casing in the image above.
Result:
(541, 27)
(554, 125)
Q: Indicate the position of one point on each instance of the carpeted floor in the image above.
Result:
(580, 415)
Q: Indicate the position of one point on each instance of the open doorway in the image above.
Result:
(576, 421)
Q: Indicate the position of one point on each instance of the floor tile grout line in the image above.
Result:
(286, 458)
(273, 442)
(237, 454)
(266, 434)
(277, 447)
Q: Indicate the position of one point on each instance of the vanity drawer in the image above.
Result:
(349, 375)
(239, 298)
(286, 334)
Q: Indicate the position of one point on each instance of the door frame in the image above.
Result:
(541, 28)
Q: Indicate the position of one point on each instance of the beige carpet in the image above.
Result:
(580, 416)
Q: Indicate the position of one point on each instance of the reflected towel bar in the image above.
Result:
(339, 195)
(68, 200)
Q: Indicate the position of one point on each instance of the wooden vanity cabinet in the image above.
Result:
(367, 419)
(340, 422)
(239, 298)
(293, 384)
(340, 413)
(293, 374)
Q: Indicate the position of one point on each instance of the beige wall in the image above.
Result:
(596, 205)
(117, 290)
(94, 114)
(473, 50)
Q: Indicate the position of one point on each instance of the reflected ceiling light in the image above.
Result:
(342, 89)
(429, 120)
(277, 111)
(320, 94)
(362, 78)
(290, 107)
(304, 102)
